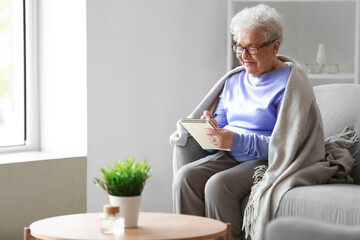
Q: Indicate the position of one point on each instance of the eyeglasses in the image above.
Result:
(250, 50)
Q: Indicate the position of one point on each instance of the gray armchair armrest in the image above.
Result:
(294, 228)
(185, 154)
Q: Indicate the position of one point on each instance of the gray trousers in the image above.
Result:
(213, 187)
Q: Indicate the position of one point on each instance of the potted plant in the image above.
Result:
(124, 183)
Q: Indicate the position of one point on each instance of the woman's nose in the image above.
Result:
(245, 53)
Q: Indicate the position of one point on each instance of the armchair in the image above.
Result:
(333, 203)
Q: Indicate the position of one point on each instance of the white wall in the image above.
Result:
(62, 76)
(150, 62)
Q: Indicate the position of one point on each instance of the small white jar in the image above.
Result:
(110, 220)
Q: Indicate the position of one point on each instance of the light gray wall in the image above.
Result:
(150, 62)
(32, 190)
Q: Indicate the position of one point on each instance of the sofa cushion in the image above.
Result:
(295, 228)
(336, 203)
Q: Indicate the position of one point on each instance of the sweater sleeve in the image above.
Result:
(220, 113)
(252, 144)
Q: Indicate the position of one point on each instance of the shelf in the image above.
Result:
(311, 1)
(327, 76)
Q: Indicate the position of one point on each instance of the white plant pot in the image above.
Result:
(129, 208)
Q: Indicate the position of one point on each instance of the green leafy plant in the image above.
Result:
(125, 178)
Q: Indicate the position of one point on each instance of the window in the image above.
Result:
(12, 73)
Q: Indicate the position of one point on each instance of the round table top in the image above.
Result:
(150, 226)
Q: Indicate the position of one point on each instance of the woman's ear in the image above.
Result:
(276, 47)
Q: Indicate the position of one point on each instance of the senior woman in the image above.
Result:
(250, 108)
(245, 117)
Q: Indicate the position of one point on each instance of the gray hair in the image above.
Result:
(261, 16)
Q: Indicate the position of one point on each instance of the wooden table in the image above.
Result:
(150, 226)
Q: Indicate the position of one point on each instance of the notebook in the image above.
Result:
(196, 129)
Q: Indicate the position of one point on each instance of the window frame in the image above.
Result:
(32, 126)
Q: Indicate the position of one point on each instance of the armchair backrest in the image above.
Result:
(339, 105)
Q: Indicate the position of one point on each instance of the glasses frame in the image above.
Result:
(235, 47)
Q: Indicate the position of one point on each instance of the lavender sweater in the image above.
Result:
(249, 106)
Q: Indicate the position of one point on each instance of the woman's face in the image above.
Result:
(265, 60)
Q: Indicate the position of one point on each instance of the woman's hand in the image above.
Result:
(207, 115)
(221, 138)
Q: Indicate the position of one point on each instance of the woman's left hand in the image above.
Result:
(221, 138)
